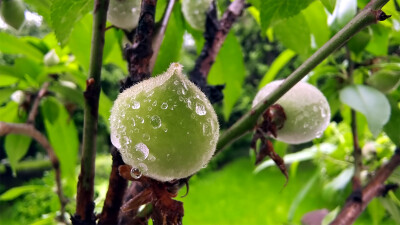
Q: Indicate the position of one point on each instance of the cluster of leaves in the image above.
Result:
(361, 76)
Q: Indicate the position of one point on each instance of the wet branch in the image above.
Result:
(160, 32)
(116, 189)
(31, 131)
(140, 52)
(369, 15)
(85, 192)
(215, 35)
(375, 188)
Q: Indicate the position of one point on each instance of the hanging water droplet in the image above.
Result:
(146, 137)
(143, 151)
(135, 105)
(140, 119)
(164, 105)
(155, 122)
(200, 109)
(136, 173)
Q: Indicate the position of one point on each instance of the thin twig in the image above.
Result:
(375, 188)
(369, 15)
(159, 37)
(85, 191)
(139, 54)
(215, 35)
(35, 106)
(31, 131)
(356, 147)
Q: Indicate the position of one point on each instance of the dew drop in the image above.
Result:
(154, 103)
(143, 151)
(183, 91)
(146, 137)
(184, 85)
(323, 114)
(200, 109)
(135, 105)
(155, 122)
(136, 173)
(189, 103)
(140, 119)
(315, 108)
(176, 82)
(165, 130)
(136, 130)
(133, 122)
(152, 158)
(164, 105)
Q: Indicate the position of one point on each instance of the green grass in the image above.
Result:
(234, 195)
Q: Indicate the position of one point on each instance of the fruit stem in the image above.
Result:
(369, 15)
(85, 191)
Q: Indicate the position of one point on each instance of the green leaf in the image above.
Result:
(42, 7)
(229, 69)
(16, 147)
(276, 66)
(294, 33)
(329, 5)
(62, 134)
(10, 44)
(379, 43)
(330, 217)
(67, 93)
(391, 208)
(344, 11)
(64, 15)
(81, 39)
(392, 127)
(8, 80)
(272, 10)
(8, 112)
(317, 22)
(359, 41)
(5, 94)
(15, 192)
(171, 46)
(370, 102)
(301, 195)
(376, 211)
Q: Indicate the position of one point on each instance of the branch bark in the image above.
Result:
(369, 15)
(215, 35)
(31, 131)
(375, 188)
(140, 53)
(85, 193)
(116, 189)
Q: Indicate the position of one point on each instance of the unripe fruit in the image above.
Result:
(195, 12)
(306, 108)
(12, 12)
(124, 13)
(164, 126)
(385, 80)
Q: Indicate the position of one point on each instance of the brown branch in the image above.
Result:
(159, 37)
(116, 189)
(356, 147)
(84, 213)
(34, 110)
(31, 131)
(215, 35)
(376, 187)
(139, 54)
